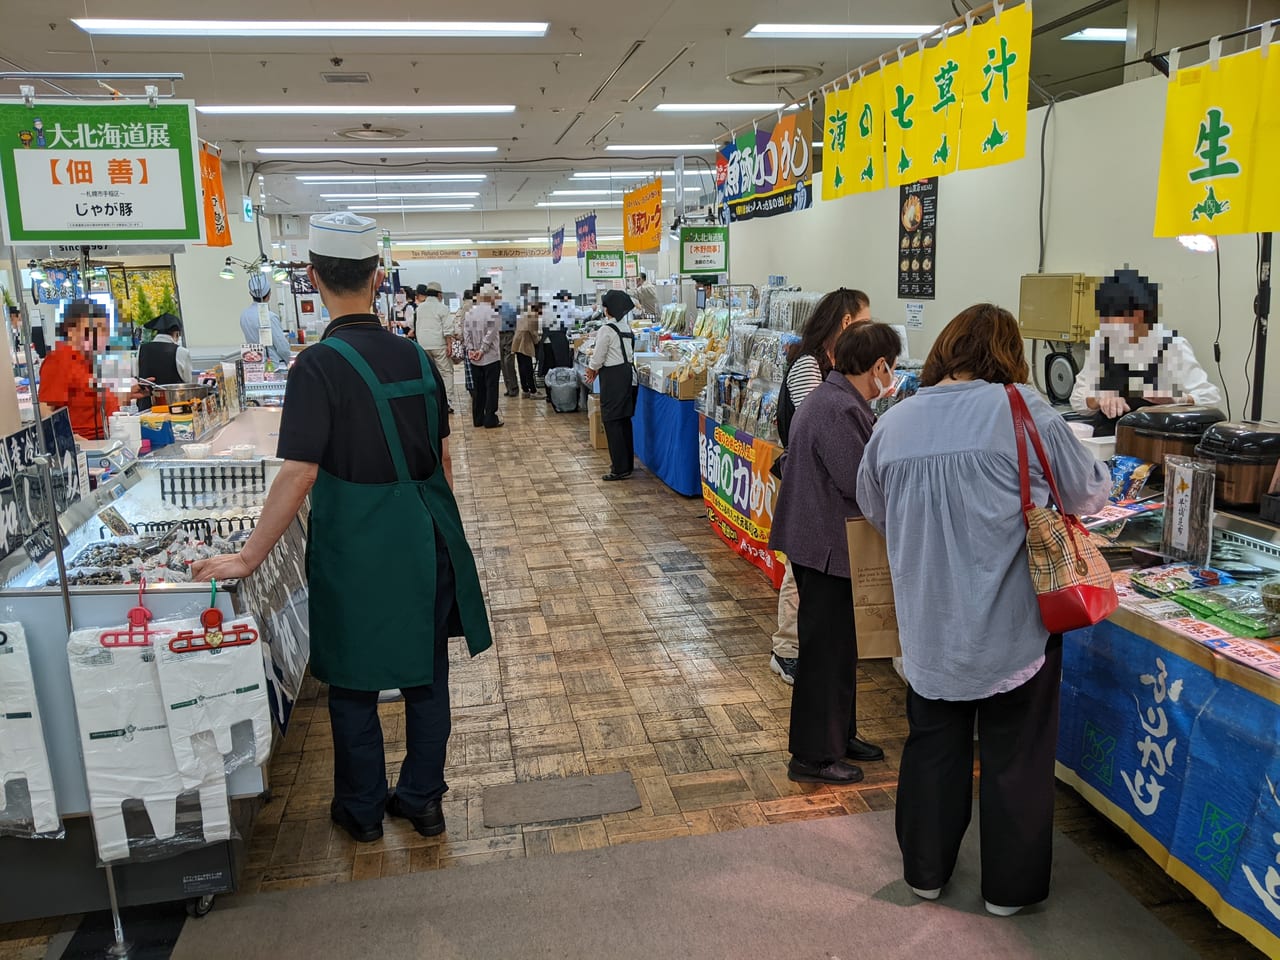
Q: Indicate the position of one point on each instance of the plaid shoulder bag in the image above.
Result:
(1072, 580)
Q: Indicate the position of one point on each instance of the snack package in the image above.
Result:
(1161, 582)
(1128, 477)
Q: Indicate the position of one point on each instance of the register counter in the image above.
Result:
(1177, 741)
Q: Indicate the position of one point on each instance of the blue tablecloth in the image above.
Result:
(666, 431)
(1181, 748)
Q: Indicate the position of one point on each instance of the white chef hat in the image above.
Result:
(345, 236)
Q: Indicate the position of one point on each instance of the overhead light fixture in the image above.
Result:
(717, 107)
(264, 266)
(1101, 35)
(656, 147)
(37, 272)
(408, 207)
(839, 31)
(227, 273)
(411, 178)
(443, 195)
(579, 203)
(1198, 243)
(597, 193)
(367, 151)
(123, 27)
(271, 109)
(627, 175)
(280, 274)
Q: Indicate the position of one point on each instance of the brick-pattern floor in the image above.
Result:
(627, 638)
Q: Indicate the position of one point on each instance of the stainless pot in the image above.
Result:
(170, 393)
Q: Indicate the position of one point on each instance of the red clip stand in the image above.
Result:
(213, 637)
(136, 634)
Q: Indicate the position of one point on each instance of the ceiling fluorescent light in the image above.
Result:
(717, 107)
(840, 31)
(607, 239)
(536, 239)
(1101, 34)
(415, 178)
(657, 147)
(429, 243)
(579, 203)
(598, 193)
(272, 109)
(629, 175)
(408, 207)
(443, 195)
(345, 29)
(366, 151)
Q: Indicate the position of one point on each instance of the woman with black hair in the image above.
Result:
(808, 364)
(68, 376)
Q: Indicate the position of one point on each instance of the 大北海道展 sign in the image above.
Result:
(605, 264)
(704, 250)
(89, 173)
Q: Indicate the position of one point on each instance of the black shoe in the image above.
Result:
(785, 667)
(837, 772)
(360, 834)
(863, 752)
(610, 477)
(494, 426)
(429, 823)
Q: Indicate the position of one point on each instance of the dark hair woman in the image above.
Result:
(817, 498)
(940, 479)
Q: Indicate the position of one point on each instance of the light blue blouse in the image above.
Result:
(939, 478)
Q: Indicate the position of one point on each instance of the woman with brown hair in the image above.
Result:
(940, 479)
(525, 344)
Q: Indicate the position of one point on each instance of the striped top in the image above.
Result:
(803, 378)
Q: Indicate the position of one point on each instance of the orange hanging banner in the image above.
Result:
(217, 225)
(642, 218)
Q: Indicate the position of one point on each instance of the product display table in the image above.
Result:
(1180, 747)
(666, 439)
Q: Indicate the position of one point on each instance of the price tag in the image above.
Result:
(113, 521)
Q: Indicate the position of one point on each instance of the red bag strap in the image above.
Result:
(1024, 424)
(1020, 432)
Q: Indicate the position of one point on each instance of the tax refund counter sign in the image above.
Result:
(100, 173)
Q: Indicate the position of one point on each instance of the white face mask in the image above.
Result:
(886, 390)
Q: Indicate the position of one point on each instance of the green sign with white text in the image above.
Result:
(87, 173)
(605, 265)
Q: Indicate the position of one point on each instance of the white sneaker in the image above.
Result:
(1001, 911)
(927, 894)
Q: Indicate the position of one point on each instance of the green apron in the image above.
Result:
(371, 559)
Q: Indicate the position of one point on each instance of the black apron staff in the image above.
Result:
(617, 388)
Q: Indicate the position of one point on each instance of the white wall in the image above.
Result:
(211, 306)
(1104, 157)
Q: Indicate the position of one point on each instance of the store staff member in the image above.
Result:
(390, 574)
(613, 362)
(1133, 361)
(260, 290)
(647, 295)
(67, 376)
(164, 359)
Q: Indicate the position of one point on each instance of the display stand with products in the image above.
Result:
(665, 430)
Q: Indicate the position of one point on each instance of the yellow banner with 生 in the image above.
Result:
(1220, 131)
(905, 104)
(993, 127)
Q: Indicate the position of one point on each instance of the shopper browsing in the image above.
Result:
(525, 344)
(364, 433)
(1133, 360)
(816, 498)
(260, 290)
(647, 296)
(480, 333)
(613, 362)
(507, 336)
(940, 480)
(808, 363)
(434, 328)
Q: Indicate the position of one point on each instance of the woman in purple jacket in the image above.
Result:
(818, 494)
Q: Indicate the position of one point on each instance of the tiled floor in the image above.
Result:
(627, 638)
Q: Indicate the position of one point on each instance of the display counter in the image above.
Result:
(1172, 730)
(666, 440)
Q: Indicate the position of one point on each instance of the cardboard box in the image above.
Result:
(595, 426)
(874, 615)
(689, 389)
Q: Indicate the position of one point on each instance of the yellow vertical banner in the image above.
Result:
(1264, 196)
(1214, 177)
(866, 153)
(839, 146)
(945, 68)
(993, 126)
(642, 218)
(904, 108)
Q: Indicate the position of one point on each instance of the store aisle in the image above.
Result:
(627, 638)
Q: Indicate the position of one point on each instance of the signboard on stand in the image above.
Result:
(917, 239)
(767, 170)
(704, 250)
(110, 172)
(739, 492)
(605, 264)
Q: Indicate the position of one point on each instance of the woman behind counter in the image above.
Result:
(67, 376)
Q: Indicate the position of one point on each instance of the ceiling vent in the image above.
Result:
(346, 77)
(368, 131)
(774, 76)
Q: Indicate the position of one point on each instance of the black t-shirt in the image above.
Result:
(330, 417)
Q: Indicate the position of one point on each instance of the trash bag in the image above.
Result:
(562, 389)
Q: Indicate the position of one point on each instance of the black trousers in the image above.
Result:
(359, 761)
(484, 395)
(527, 382)
(1017, 740)
(508, 360)
(824, 698)
(622, 450)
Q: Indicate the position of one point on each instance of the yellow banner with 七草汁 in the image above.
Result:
(993, 127)
(642, 218)
(945, 68)
(1214, 173)
(839, 145)
(905, 103)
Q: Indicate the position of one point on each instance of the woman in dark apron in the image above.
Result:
(613, 362)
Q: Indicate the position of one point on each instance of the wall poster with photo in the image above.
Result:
(917, 239)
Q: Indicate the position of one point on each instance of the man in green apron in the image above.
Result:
(365, 432)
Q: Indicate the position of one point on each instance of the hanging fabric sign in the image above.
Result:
(839, 145)
(642, 218)
(586, 233)
(944, 68)
(1215, 177)
(217, 227)
(867, 115)
(767, 170)
(557, 246)
(993, 128)
(904, 108)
